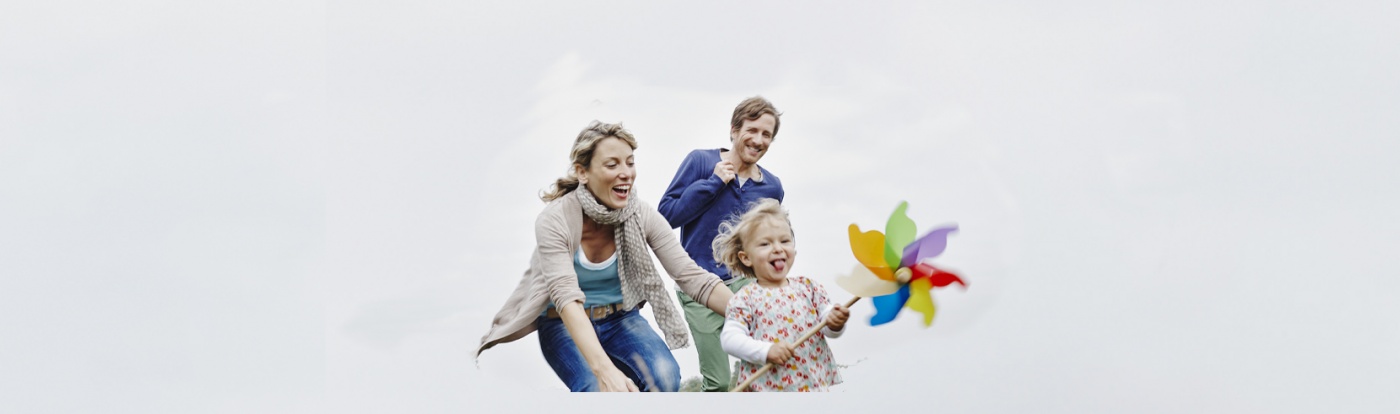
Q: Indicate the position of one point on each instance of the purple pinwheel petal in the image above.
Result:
(929, 246)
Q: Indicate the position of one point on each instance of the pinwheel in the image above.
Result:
(893, 271)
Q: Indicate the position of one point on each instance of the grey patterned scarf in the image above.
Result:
(639, 279)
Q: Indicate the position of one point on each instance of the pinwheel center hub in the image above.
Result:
(903, 275)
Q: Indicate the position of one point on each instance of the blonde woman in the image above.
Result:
(592, 271)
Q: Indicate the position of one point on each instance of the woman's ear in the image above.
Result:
(744, 258)
(581, 173)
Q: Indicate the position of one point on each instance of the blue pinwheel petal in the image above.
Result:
(929, 246)
(888, 306)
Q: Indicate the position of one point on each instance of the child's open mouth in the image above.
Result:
(779, 265)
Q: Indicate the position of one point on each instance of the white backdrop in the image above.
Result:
(317, 207)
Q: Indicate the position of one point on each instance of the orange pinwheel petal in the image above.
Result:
(869, 248)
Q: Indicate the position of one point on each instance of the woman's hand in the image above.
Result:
(779, 352)
(836, 320)
(611, 379)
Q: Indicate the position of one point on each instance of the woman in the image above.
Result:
(590, 273)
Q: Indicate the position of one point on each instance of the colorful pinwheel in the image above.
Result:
(892, 271)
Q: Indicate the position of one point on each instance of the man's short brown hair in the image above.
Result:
(753, 108)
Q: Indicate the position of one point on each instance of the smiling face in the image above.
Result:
(609, 175)
(752, 138)
(769, 249)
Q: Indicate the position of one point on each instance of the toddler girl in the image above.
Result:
(765, 318)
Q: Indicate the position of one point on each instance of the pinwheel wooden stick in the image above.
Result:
(805, 336)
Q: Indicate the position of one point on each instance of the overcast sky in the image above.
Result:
(267, 206)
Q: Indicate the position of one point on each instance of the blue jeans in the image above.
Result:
(628, 340)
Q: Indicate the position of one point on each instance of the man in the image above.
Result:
(711, 186)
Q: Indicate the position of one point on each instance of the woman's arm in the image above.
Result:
(552, 235)
(610, 379)
(701, 285)
(719, 299)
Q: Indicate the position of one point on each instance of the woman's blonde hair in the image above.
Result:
(582, 154)
(732, 232)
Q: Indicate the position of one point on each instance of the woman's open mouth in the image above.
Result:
(621, 191)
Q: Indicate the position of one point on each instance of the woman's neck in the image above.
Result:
(598, 242)
(592, 228)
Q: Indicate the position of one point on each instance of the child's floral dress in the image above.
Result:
(774, 314)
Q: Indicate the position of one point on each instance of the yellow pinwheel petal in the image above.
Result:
(869, 248)
(920, 300)
(861, 282)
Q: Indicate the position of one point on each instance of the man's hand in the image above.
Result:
(726, 170)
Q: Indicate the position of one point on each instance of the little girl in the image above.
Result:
(765, 318)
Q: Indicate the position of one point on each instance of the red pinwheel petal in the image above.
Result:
(937, 277)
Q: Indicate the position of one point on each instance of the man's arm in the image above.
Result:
(691, 191)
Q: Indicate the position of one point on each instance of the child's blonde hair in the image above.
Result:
(733, 231)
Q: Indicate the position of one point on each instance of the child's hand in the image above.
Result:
(836, 320)
(779, 352)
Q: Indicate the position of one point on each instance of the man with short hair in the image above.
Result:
(711, 186)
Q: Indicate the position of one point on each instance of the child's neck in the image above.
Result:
(772, 284)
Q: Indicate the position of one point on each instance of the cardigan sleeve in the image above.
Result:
(555, 264)
(691, 279)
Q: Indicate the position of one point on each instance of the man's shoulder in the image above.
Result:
(767, 174)
(770, 178)
(704, 154)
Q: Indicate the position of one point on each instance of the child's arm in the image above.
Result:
(833, 314)
(736, 341)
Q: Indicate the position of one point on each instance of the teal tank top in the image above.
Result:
(598, 281)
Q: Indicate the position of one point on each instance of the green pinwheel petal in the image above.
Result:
(899, 232)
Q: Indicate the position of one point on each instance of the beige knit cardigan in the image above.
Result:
(551, 276)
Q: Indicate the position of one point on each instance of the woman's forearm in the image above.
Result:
(581, 331)
(719, 299)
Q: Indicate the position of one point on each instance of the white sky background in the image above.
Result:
(269, 207)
